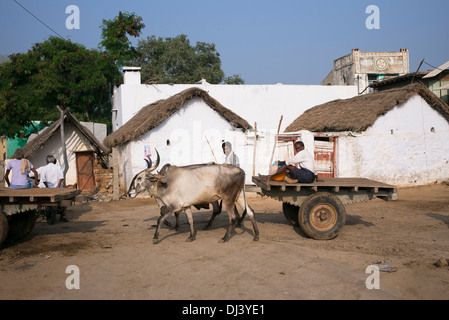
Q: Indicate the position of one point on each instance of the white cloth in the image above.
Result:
(304, 159)
(232, 159)
(39, 172)
(51, 174)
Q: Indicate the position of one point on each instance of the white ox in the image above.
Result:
(177, 189)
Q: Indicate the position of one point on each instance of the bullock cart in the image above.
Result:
(19, 208)
(318, 208)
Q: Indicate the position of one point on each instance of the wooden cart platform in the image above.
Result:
(47, 196)
(318, 207)
(347, 188)
(19, 208)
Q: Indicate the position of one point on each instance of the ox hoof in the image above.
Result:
(155, 241)
(223, 240)
(256, 238)
(206, 227)
(191, 238)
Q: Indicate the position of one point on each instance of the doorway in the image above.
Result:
(85, 170)
(324, 151)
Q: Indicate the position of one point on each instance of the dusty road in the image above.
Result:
(111, 245)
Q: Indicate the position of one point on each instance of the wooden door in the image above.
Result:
(85, 170)
(324, 158)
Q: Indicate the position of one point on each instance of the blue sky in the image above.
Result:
(266, 42)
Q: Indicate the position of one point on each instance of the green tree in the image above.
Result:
(234, 79)
(55, 72)
(115, 34)
(175, 60)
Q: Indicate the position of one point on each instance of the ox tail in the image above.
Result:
(245, 207)
(242, 198)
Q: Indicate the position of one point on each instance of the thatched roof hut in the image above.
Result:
(38, 142)
(359, 113)
(154, 114)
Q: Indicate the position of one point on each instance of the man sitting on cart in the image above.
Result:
(305, 172)
(20, 168)
(52, 176)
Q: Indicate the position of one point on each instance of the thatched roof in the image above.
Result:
(154, 114)
(359, 113)
(35, 144)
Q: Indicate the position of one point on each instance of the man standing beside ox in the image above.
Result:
(231, 157)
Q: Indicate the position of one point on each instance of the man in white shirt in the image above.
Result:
(52, 175)
(306, 173)
(231, 157)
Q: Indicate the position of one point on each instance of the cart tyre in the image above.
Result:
(4, 227)
(321, 216)
(20, 224)
(291, 213)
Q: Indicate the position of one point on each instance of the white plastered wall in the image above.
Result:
(181, 140)
(409, 145)
(264, 104)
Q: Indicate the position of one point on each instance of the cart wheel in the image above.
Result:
(291, 213)
(21, 224)
(322, 215)
(4, 227)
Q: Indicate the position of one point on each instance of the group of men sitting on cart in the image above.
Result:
(48, 176)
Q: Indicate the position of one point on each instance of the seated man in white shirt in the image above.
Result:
(306, 173)
(52, 176)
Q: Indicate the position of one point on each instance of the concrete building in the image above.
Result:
(438, 84)
(363, 68)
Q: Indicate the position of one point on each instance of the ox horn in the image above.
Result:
(150, 165)
(148, 161)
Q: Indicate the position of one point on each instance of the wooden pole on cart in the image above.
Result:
(211, 150)
(274, 148)
(254, 152)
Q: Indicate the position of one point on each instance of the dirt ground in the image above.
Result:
(111, 244)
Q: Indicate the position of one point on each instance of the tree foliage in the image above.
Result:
(59, 72)
(115, 34)
(55, 72)
(175, 60)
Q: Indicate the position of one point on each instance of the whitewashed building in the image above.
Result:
(264, 104)
(398, 136)
(185, 129)
(192, 121)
